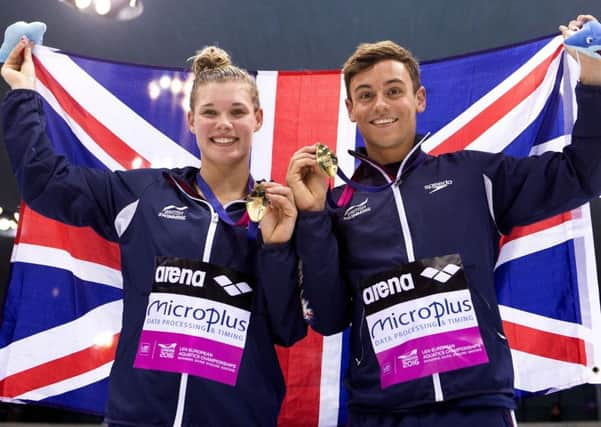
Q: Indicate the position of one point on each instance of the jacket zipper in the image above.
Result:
(396, 192)
(404, 227)
(438, 394)
(206, 256)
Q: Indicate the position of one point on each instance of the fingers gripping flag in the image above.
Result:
(63, 308)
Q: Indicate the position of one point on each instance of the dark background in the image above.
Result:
(293, 35)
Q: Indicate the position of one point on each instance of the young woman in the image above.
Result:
(206, 294)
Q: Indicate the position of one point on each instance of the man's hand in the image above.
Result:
(307, 181)
(590, 71)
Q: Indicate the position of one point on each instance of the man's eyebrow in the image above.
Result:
(363, 86)
(395, 81)
(368, 86)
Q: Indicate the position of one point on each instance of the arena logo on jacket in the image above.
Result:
(196, 320)
(421, 320)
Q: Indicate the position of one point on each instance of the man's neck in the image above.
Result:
(384, 156)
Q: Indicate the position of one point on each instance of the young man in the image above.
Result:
(412, 269)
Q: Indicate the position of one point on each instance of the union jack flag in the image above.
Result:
(62, 315)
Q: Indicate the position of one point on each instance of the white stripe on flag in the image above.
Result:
(345, 137)
(86, 140)
(128, 125)
(538, 241)
(571, 75)
(492, 96)
(535, 373)
(329, 390)
(69, 384)
(59, 258)
(102, 322)
(262, 147)
(556, 144)
(588, 290)
(512, 124)
(546, 324)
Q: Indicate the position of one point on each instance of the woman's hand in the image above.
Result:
(18, 71)
(278, 223)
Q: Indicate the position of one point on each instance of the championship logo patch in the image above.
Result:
(421, 320)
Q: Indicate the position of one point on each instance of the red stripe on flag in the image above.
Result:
(107, 140)
(494, 112)
(545, 344)
(526, 230)
(301, 366)
(81, 242)
(306, 108)
(58, 370)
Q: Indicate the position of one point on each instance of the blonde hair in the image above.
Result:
(213, 64)
(368, 54)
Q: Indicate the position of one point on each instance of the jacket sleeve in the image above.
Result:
(48, 183)
(326, 293)
(277, 276)
(526, 190)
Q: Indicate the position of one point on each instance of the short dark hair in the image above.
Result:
(368, 54)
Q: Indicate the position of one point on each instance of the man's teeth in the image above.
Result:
(383, 121)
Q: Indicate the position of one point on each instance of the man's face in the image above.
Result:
(384, 104)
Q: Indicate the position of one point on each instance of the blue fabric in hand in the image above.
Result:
(34, 31)
(586, 41)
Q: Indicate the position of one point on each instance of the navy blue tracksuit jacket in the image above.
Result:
(155, 213)
(458, 203)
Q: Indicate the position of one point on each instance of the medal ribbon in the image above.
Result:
(372, 188)
(244, 221)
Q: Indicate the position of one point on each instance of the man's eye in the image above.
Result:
(364, 96)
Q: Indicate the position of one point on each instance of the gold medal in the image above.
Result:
(327, 160)
(256, 203)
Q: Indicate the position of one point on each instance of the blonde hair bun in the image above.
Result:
(213, 65)
(210, 58)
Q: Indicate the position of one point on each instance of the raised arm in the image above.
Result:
(18, 70)
(327, 295)
(47, 181)
(590, 67)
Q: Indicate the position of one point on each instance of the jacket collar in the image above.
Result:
(368, 167)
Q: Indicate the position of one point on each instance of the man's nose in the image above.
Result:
(380, 102)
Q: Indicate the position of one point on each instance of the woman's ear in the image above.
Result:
(259, 119)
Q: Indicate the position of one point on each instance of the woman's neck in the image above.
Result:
(227, 183)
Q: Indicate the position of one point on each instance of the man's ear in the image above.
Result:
(349, 109)
(421, 99)
(190, 120)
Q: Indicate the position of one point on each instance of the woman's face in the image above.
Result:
(224, 120)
